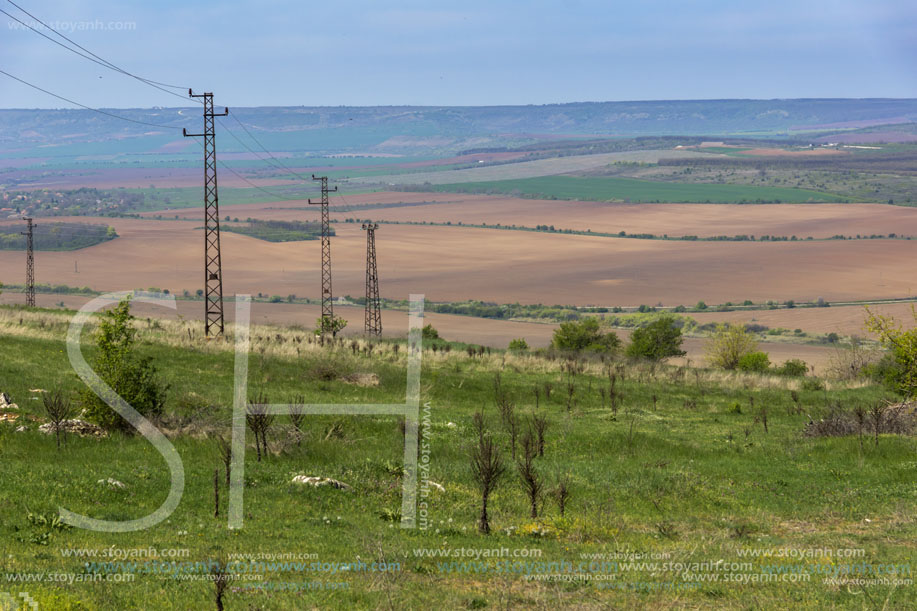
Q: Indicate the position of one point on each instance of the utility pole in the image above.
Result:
(373, 319)
(29, 265)
(327, 305)
(213, 264)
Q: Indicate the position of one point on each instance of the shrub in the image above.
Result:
(428, 332)
(328, 370)
(329, 324)
(518, 345)
(729, 345)
(657, 341)
(794, 368)
(131, 377)
(902, 376)
(700, 306)
(812, 383)
(757, 362)
(585, 334)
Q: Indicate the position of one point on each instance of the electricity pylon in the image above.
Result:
(373, 318)
(213, 263)
(327, 320)
(29, 265)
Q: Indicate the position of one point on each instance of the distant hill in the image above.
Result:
(441, 129)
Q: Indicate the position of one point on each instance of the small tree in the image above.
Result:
(539, 426)
(903, 344)
(531, 480)
(729, 344)
(298, 416)
(130, 376)
(585, 335)
(562, 495)
(429, 332)
(58, 408)
(259, 422)
(487, 467)
(329, 324)
(658, 340)
(518, 345)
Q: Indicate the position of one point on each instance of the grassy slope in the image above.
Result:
(685, 481)
(635, 190)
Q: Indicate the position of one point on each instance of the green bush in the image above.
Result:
(428, 332)
(657, 341)
(132, 377)
(756, 362)
(888, 371)
(812, 383)
(794, 368)
(585, 335)
(518, 345)
(729, 344)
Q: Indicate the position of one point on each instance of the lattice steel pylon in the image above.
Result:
(213, 263)
(373, 318)
(327, 319)
(29, 265)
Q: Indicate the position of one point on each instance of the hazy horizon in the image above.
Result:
(569, 103)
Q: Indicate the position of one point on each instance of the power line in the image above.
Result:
(69, 101)
(263, 148)
(253, 185)
(253, 152)
(94, 58)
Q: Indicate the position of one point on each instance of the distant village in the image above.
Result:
(76, 202)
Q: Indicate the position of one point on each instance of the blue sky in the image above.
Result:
(363, 52)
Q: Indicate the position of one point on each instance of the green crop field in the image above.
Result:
(635, 190)
(682, 493)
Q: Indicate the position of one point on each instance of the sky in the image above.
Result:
(474, 52)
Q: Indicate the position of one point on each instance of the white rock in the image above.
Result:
(320, 481)
(6, 402)
(111, 482)
(80, 427)
(436, 486)
(22, 429)
(451, 425)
